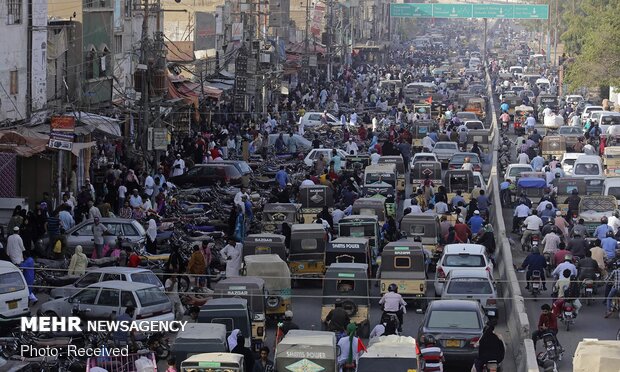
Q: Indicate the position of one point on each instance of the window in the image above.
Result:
(308, 244)
(86, 296)
(118, 44)
(88, 279)
(14, 88)
(454, 319)
(127, 299)
(11, 282)
(464, 260)
(146, 277)
(130, 230)
(89, 64)
(128, 8)
(152, 296)
(108, 277)
(104, 62)
(14, 13)
(114, 228)
(86, 230)
(470, 286)
(417, 229)
(345, 285)
(108, 297)
(402, 262)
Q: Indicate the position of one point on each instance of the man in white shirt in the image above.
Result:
(308, 181)
(523, 158)
(393, 302)
(239, 198)
(135, 200)
(467, 165)
(352, 147)
(614, 221)
(441, 208)
(178, 167)
(427, 143)
(149, 185)
(93, 212)
(522, 211)
(374, 157)
(122, 192)
(15, 247)
(533, 224)
(337, 215)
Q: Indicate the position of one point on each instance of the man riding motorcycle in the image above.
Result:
(547, 323)
(532, 224)
(393, 303)
(587, 267)
(490, 348)
(567, 264)
(534, 262)
(337, 319)
(573, 203)
(578, 246)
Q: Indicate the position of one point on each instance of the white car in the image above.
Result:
(423, 156)
(474, 125)
(587, 111)
(460, 257)
(479, 181)
(445, 150)
(327, 154)
(568, 162)
(513, 172)
(313, 119)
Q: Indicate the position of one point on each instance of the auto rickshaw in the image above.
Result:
(476, 105)
(223, 361)
(362, 226)
(307, 251)
(302, 350)
(400, 170)
(421, 169)
(277, 277)
(348, 250)
(459, 180)
(553, 145)
(348, 282)
(265, 244)
(564, 188)
(356, 163)
(532, 187)
(424, 226)
(252, 289)
(611, 160)
(519, 117)
(419, 129)
(380, 182)
(370, 207)
(313, 199)
(275, 214)
(403, 263)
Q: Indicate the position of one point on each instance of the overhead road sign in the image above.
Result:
(498, 11)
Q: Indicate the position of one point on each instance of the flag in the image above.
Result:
(429, 100)
(360, 346)
(279, 334)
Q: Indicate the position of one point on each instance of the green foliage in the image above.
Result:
(592, 38)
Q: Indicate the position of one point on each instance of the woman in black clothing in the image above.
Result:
(441, 195)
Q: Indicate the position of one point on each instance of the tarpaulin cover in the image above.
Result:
(13, 142)
(532, 183)
(595, 355)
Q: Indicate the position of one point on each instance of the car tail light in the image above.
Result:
(474, 342)
(491, 301)
(440, 273)
(422, 288)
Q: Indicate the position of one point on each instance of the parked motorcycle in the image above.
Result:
(552, 349)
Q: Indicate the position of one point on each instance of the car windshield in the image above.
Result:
(614, 191)
(146, 278)
(11, 282)
(588, 169)
(570, 130)
(151, 296)
(464, 260)
(469, 286)
(445, 146)
(518, 170)
(245, 168)
(456, 319)
(569, 161)
(459, 158)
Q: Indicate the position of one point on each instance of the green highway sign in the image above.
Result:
(531, 12)
(411, 10)
(501, 11)
(452, 11)
(493, 11)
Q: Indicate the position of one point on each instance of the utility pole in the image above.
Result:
(145, 80)
(330, 37)
(307, 56)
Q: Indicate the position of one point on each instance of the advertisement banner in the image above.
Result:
(62, 130)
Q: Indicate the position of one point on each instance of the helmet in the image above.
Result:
(393, 288)
(610, 234)
(575, 192)
(568, 257)
(429, 340)
(604, 221)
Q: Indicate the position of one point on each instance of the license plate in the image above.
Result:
(589, 290)
(453, 343)
(536, 285)
(312, 264)
(568, 314)
(491, 313)
(12, 305)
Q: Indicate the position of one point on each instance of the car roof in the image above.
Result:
(443, 142)
(120, 284)
(110, 219)
(519, 165)
(118, 270)
(453, 305)
(583, 158)
(571, 155)
(464, 248)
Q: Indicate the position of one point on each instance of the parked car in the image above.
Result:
(327, 154)
(105, 299)
(313, 119)
(445, 150)
(513, 172)
(13, 294)
(568, 162)
(303, 144)
(82, 234)
(424, 156)
(457, 160)
(457, 325)
(472, 285)
(208, 175)
(105, 274)
(466, 116)
(462, 257)
(244, 168)
(588, 110)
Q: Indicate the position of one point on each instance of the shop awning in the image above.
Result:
(16, 143)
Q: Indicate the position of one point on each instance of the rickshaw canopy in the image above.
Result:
(459, 179)
(421, 169)
(271, 268)
(346, 280)
(347, 250)
(250, 288)
(397, 160)
(265, 243)
(370, 207)
(316, 196)
(403, 259)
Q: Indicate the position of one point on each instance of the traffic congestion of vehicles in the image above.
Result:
(351, 239)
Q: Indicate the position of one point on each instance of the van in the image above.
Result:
(13, 294)
(587, 111)
(313, 119)
(588, 166)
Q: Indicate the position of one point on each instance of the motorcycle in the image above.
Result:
(549, 268)
(547, 365)
(552, 350)
(587, 288)
(431, 356)
(567, 315)
(491, 366)
(534, 242)
(157, 343)
(535, 283)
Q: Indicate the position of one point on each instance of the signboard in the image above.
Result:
(237, 31)
(205, 31)
(61, 132)
(500, 11)
(160, 139)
